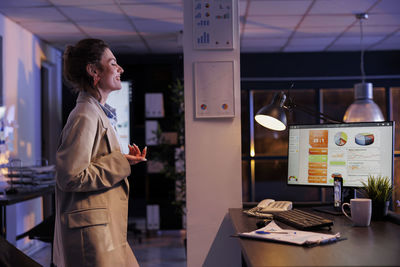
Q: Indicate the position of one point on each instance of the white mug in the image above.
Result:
(361, 210)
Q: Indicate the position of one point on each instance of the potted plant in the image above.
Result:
(379, 189)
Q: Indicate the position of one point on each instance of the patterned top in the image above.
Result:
(112, 116)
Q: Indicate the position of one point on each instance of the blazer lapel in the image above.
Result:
(110, 132)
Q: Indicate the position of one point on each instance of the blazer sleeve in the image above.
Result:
(85, 160)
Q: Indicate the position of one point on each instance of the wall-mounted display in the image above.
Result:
(214, 89)
(212, 24)
(120, 100)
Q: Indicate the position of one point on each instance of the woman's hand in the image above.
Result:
(135, 156)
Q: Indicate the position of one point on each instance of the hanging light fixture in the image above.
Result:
(364, 108)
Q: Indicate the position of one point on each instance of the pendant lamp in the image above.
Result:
(364, 108)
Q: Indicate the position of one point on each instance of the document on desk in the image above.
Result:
(272, 232)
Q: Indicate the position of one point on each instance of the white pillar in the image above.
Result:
(213, 153)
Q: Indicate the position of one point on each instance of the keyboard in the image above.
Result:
(302, 220)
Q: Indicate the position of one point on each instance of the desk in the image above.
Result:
(376, 245)
(9, 199)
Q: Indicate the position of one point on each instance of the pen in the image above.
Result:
(268, 232)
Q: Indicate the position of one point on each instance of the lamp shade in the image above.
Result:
(364, 109)
(273, 116)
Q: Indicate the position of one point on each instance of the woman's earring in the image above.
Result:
(96, 80)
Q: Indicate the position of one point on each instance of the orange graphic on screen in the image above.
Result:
(318, 156)
(317, 179)
(317, 165)
(318, 138)
(317, 172)
(318, 151)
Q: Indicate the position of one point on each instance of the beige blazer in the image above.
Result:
(91, 192)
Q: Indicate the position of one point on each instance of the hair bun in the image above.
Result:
(69, 51)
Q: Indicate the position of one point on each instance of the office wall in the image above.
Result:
(23, 54)
(213, 160)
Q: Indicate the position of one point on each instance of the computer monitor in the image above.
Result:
(120, 100)
(353, 151)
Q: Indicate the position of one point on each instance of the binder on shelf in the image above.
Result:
(151, 132)
(154, 105)
(153, 217)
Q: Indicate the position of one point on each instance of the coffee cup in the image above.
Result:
(360, 209)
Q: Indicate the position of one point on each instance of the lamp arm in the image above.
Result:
(312, 112)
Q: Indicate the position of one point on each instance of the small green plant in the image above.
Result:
(378, 189)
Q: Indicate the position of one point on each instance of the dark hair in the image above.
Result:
(77, 57)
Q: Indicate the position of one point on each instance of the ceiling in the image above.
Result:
(155, 26)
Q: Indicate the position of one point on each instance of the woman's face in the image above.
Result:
(110, 75)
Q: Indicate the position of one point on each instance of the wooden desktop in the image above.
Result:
(376, 245)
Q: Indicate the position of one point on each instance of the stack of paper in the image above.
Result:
(31, 175)
(273, 232)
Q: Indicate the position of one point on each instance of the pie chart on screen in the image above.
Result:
(364, 139)
(340, 138)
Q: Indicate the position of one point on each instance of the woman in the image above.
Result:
(92, 187)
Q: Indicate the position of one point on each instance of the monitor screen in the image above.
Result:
(120, 100)
(353, 151)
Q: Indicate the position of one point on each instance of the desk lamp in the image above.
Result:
(273, 116)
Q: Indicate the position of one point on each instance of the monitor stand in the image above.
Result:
(350, 193)
(329, 209)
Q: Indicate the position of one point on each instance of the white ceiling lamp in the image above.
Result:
(364, 108)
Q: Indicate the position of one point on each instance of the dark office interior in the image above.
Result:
(197, 229)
